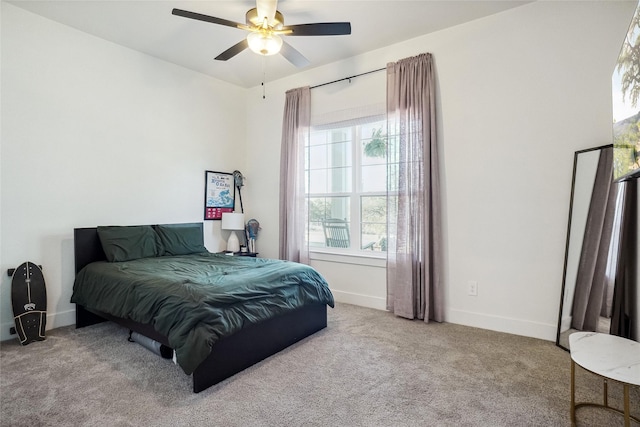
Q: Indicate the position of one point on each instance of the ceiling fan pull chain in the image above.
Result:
(264, 74)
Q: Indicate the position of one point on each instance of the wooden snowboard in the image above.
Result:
(29, 300)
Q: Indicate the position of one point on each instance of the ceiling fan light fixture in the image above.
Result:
(264, 43)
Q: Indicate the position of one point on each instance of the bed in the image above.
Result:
(220, 313)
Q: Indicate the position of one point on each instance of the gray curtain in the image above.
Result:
(591, 280)
(414, 251)
(625, 310)
(293, 206)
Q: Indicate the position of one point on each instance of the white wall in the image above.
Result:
(97, 134)
(518, 93)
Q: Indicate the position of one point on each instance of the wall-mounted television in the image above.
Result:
(626, 97)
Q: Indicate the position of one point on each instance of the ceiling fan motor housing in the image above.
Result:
(252, 18)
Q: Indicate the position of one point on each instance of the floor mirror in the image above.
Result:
(599, 291)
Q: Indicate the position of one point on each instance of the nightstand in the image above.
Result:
(251, 254)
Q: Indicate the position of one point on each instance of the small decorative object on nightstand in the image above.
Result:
(251, 234)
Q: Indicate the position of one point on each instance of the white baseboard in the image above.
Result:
(361, 300)
(521, 327)
(477, 320)
(54, 320)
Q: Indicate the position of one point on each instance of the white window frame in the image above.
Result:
(360, 256)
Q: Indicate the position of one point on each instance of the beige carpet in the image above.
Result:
(368, 368)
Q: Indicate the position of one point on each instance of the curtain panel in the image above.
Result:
(624, 310)
(293, 205)
(414, 252)
(592, 281)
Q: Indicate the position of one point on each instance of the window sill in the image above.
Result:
(372, 260)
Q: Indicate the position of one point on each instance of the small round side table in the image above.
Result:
(610, 357)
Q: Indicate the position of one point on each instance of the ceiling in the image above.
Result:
(149, 27)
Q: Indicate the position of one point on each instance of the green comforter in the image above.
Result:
(195, 300)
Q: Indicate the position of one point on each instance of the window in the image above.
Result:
(346, 186)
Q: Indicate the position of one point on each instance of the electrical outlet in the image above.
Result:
(472, 288)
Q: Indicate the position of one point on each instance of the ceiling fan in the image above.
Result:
(265, 25)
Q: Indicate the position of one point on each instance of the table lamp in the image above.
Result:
(233, 221)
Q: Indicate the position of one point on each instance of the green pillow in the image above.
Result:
(125, 243)
(181, 239)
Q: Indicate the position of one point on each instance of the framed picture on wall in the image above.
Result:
(219, 194)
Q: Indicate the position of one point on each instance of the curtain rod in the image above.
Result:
(348, 78)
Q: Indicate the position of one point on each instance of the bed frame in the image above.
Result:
(229, 355)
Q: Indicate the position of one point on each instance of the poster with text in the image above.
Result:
(219, 194)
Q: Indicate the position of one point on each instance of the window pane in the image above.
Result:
(318, 209)
(317, 157)
(316, 235)
(321, 208)
(374, 237)
(316, 138)
(374, 178)
(374, 144)
(340, 135)
(335, 180)
(318, 181)
(374, 209)
(340, 180)
(330, 161)
(373, 222)
(340, 153)
(338, 207)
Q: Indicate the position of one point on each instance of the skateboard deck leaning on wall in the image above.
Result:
(29, 301)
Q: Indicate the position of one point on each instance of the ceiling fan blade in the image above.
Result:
(206, 18)
(267, 9)
(233, 50)
(293, 56)
(320, 29)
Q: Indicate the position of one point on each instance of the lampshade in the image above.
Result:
(264, 43)
(232, 221)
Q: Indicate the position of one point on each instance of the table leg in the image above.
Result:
(606, 394)
(573, 393)
(627, 410)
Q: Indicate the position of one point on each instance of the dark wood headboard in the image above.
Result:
(87, 247)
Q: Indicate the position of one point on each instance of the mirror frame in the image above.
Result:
(568, 239)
